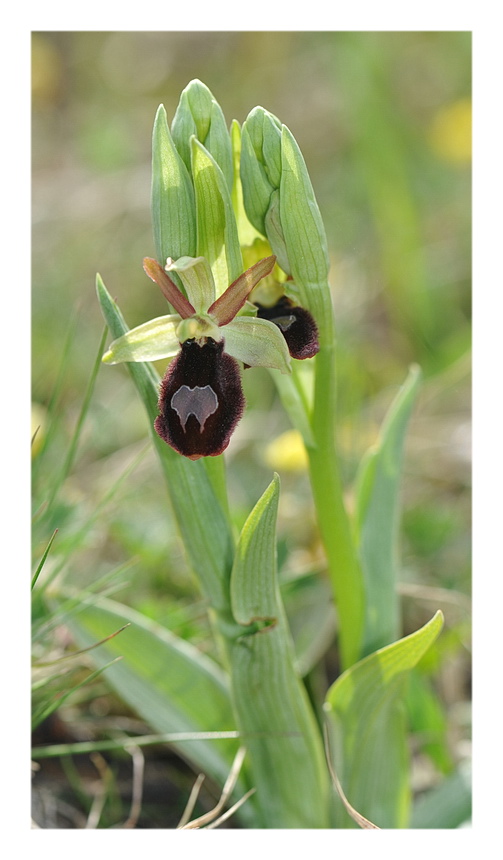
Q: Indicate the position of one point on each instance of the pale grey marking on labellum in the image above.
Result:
(285, 322)
(200, 401)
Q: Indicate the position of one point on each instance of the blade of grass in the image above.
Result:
(85, 747)
(45, 710)
(72, 449)
(42, 560)
(58, 385)
(74, 541)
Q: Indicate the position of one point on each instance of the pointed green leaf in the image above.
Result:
(254, 587)
(173, 205)
(367, 728)
(256, 344)
(377, 517)
(164, 679)
(147, 342)
(217, 235)
(283, 740)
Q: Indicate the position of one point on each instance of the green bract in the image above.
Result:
(173, 203)
(217, 234)
(279, 201)
(199, 115)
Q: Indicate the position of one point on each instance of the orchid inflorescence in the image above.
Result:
(221, 197)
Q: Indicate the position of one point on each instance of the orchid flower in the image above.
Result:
(201, 398)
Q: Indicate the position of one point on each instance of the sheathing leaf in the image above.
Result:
(282, 738)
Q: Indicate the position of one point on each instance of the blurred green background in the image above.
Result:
(384, 123)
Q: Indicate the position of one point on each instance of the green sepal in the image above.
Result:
(197, 279)
(150, 341)
(217, 235)
(172, 199)
(199, 114)
(257, 343)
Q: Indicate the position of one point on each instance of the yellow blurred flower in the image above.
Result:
(46, 70)
(450, 133)
(287, 452)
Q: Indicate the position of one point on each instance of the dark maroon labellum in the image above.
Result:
(200, 401)
(296, 325)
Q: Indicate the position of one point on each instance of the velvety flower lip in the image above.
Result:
(296, 325)
(200, 400)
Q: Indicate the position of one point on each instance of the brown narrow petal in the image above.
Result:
(169, 289)
(229, 303)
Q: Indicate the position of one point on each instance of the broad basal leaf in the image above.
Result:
(367, 729)
(377, 517)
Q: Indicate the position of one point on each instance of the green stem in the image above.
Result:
(215, 467)
(343, 565)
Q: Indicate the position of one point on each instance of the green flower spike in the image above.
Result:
(201, 398)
